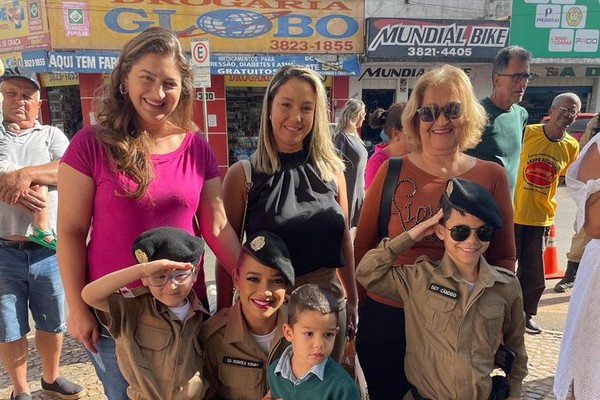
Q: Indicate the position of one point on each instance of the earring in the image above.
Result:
(123, 89)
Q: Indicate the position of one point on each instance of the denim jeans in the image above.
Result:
(107, 369)
(29, 278)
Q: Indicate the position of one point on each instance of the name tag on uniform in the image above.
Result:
(444, 291)
(240, 362)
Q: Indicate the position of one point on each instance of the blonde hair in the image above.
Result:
(126, 143)
(474, 116)
(350, 114)
(321, 151)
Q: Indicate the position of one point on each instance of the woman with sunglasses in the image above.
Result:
(442, 119)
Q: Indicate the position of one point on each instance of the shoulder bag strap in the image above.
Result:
(389, 187)
(248, 175)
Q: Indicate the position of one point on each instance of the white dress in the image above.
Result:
(579, 358)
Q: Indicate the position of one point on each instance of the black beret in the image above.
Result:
(269, 250)
(472, 198)
(169, 243)
(20, 72)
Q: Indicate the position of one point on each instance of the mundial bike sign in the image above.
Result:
(435, 40)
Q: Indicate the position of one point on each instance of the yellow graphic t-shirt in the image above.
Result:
(542, 163)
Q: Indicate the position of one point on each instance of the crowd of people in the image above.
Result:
(430, 226)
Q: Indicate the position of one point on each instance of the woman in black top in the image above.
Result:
(298, 190)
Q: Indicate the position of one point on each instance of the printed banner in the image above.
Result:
(50, 79)
(23, 25)
(257, 64)
(266, 26)
(557, 28)
(220, 64)
(258, 80)
(394, 39)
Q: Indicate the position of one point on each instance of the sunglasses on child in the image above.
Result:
(432, 112)
(460, 233)
(178, 277)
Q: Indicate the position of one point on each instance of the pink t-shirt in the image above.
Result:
(172, 199)
(377, 158)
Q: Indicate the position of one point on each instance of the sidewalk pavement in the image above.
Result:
(542, 350)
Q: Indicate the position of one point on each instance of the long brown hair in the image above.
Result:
(126, 143)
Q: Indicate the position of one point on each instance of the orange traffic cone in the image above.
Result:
(551, 270)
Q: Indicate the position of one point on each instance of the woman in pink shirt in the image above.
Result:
(142, 166)
(391, 122)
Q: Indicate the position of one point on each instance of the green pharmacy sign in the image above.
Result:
(557, 28)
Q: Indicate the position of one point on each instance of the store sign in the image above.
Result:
(558, 28)
(23, 25)
(445, 40)
(249, 26)
(259, 80)
(261, 64)
(50, 79)
(12, 59)
(394, 73)
(566, 71)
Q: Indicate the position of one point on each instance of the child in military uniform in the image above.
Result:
(458, 309)
(305, 369)
(156, 326)
(241, 341)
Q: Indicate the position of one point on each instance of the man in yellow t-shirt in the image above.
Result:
(547, 152)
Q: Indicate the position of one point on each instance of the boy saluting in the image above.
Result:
(156, 326)
(457, 308)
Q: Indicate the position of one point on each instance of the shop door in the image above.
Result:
(64, 103)
(375, 98)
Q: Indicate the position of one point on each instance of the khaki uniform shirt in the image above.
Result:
(159, 355)
(236, 365)
(450, 334)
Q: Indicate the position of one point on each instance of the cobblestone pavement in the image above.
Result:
(542, 349)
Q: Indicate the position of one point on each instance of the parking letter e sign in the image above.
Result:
(200, 62)
(200, 54)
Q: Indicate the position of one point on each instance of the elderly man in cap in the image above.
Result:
(29, 270)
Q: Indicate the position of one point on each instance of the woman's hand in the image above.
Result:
(82, 325)
(425, 228)
(351, 318)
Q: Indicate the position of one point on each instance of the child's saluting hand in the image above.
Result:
(425, 228)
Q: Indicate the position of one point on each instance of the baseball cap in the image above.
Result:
(20, 72)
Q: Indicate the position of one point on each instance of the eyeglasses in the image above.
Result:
(431, 112)
(460, 233)
(519, 76)
(179, 278)
(570, 112)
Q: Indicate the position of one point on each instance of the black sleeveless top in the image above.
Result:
(298, 206)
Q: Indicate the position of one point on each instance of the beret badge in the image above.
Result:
(258, 243)
(140, 256)
(449, 188)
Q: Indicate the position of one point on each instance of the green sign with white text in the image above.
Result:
(557, 28)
